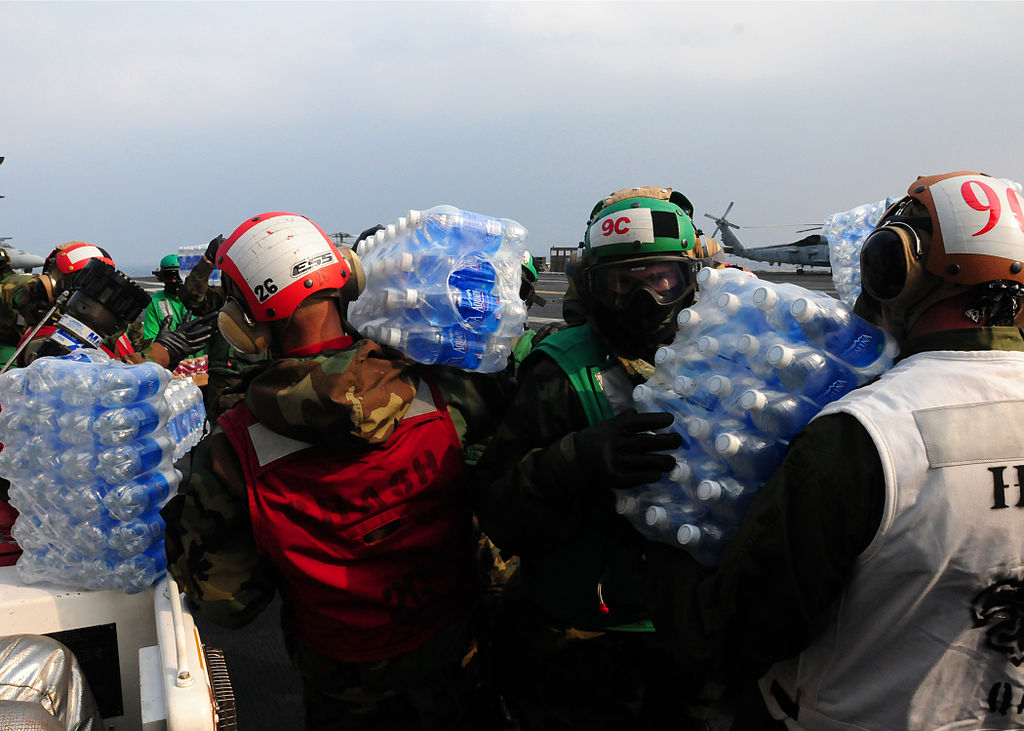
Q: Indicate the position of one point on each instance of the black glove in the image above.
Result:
(187, 339)
(211, 249)
(618, 454)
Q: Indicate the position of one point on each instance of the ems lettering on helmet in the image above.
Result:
(265, 290)
(314, 262)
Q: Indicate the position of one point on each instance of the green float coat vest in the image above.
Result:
(603, 565)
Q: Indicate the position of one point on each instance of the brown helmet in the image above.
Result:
(965, 228)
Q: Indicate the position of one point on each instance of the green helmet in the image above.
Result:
(169, 262)
(639, 227)
(529, 266)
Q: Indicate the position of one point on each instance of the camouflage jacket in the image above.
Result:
(350, 400)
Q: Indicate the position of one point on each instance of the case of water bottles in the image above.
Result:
(846, 232)
(188, 257)
(89, 449)
(752, 363)
(442, 286)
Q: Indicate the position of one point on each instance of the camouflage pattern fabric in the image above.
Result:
(350, 400)
(436, 686)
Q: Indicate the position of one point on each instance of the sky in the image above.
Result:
(146, 126)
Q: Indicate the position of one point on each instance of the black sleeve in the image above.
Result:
(772, 593)
(527, 482)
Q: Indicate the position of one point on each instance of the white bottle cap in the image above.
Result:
(709, 490)
(747, 344)
(391, 230)
(684, 386)
(681, 473)
(379, 236)
(728, 303)
(688, 535)
(403, 223)
(727, 444)
(643, 394)
(708, 346)
(655, 515)
(406, 262)
(390, 336)
(625, 504)
(699, 428)
(708, 275)
(720, 386)
(803, 309)
(688, 318)
(663, 355)
(780, 356)
(414, 217)
(765, 297)
(753, 400)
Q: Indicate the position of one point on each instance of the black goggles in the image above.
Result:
(666, 280)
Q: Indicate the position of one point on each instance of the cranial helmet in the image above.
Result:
(273, 262)
(964, 228)
(72, 256)
(637, 272)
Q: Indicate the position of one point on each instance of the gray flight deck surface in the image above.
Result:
(267, 688)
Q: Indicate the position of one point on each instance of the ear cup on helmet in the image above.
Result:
(245, 336)
(890, 262)
(357, 278)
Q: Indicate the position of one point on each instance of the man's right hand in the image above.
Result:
(621, 452)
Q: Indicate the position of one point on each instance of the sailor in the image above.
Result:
(876, 580)
(576, 646)
(166, 303)
(338, 482)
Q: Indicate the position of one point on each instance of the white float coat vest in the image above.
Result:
(929, 632)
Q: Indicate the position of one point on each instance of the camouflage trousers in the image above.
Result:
(437, 686)
(559, 678)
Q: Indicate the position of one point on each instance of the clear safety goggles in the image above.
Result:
(617, 283)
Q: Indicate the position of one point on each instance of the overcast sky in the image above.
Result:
(147, 126)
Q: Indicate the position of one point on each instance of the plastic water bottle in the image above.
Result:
(749, 454)
(693, 322)
(663, 521)
(775, 302)
(695, 391)
(705, 431)
(145, 493)
(127, 384)
(123, 425)
(729, 390)
(141, 571)
(831, 326)
(120, 464)
(711, 281)
(809, 372)
(704, 541)
(726, 498)
(451, 347)
(778, 413)
(130, 537)
(697, 467)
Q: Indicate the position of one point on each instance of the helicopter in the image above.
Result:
(810, 251)
(19, 259)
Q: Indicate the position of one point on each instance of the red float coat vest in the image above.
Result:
(374, 548)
